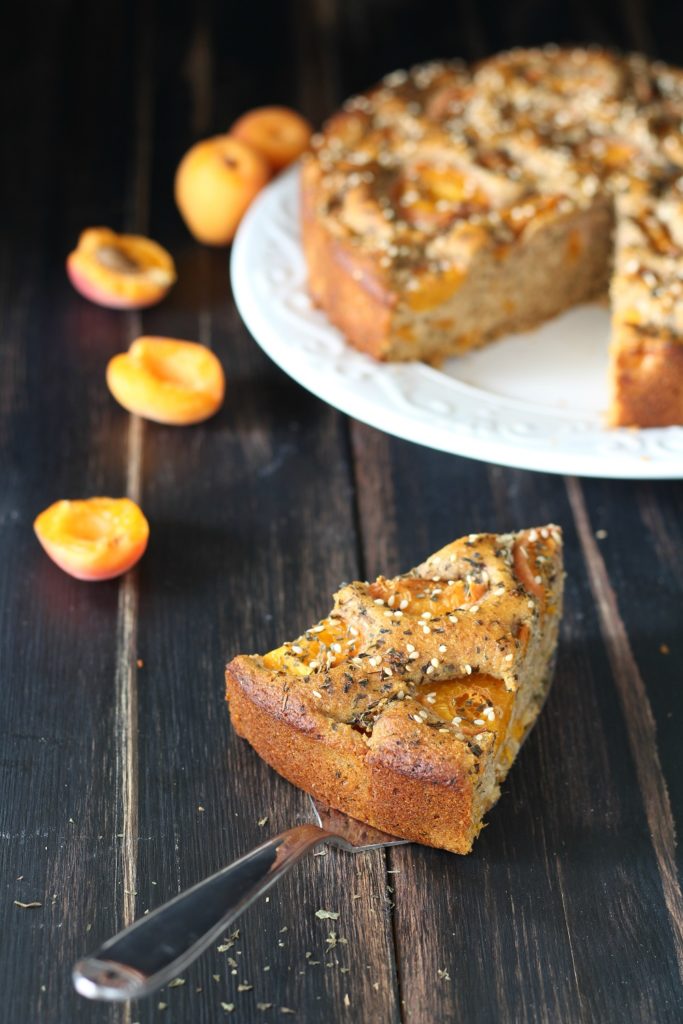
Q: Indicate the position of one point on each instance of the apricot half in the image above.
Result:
(215, 182)
(168, 381)
(94, 539)
(120, 271)
(279, 134)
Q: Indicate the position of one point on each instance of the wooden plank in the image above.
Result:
(569, 907)
(252, 529)
(558, 914)
(61, 810)
(637, 712)
(634, 531)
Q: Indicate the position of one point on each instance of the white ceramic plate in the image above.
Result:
(532, 400)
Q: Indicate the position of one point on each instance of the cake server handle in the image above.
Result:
(156, 948)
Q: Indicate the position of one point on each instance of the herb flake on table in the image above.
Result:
(327, 915)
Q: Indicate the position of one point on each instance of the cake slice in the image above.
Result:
(407, 704)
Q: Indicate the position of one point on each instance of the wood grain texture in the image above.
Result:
(239, 529)
(567, 854)
(639, 720)
(121, 781)
(61, 799)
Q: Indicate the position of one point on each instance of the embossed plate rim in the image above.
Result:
(411, 400)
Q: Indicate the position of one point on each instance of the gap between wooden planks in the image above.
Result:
(126, 692)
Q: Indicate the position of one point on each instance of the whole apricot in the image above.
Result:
(93, 539)
(215, 182)
(168, 381)
(279, 134)
(120, 271)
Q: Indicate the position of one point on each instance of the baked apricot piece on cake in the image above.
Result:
(407, 704)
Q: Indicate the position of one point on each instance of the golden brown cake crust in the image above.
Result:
(344, 283)
(647, 379)
(646, 357)
(431, 804)
(365, 719)
(451, 204)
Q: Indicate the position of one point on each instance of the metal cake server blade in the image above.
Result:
(349, 833)
(156, 948)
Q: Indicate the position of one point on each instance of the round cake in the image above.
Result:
(452, 204)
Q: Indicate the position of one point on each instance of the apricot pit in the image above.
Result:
(120, 271)
(95, 538)
(279, 134)
(167, 380)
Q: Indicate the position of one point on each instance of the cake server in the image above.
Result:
(156, 948)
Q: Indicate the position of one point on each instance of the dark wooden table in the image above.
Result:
(121, 781)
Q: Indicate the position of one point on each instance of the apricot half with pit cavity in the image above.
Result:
(168, 381)
(93, 539)
(215, 182)
(279, 134)
(120, 271)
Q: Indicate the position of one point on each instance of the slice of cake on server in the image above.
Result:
(406, 706)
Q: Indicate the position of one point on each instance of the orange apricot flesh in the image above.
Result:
(323, 646)
(93, 539)
(473, 704)
(526, 550)
(120, 271)
(168, 381)
(279, 134)
(415, 596)
(215, 182)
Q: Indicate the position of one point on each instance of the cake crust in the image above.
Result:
(343, 282)
(646, 378)
(365, 719)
